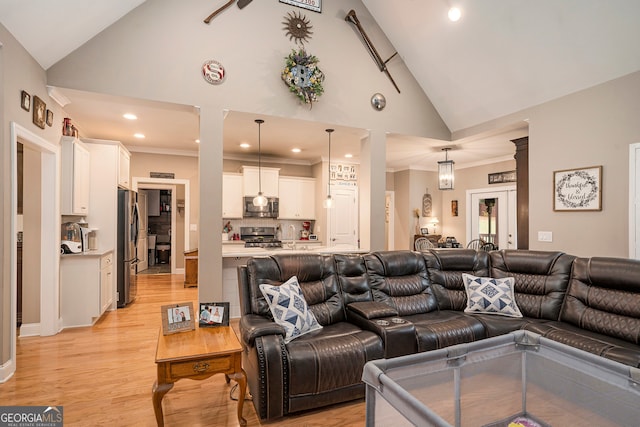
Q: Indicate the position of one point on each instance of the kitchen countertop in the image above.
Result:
(239, 252)
(93, 253)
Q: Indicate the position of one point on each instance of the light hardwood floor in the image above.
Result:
(102, 375)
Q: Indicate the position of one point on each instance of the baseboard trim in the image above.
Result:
(7, 370)
(30, 330)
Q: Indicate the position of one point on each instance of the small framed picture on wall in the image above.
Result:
(25, 101)
(39, 112)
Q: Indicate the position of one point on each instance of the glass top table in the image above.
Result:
(519, 376)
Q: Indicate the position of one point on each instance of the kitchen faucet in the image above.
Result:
(293, 236)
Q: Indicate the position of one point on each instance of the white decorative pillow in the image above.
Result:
(490, 296)
(289, 308)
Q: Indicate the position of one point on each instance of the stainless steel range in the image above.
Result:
(259, 237)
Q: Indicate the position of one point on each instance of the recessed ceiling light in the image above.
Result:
(139, 135)
(245, 145)
(454, 14)
(197, 141)
(130, 116)
(296, 150)
(348, 155)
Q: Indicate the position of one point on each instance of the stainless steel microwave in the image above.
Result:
(269, 211)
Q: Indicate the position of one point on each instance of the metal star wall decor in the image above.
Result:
(298, 27)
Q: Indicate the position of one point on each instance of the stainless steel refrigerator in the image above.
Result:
(126, 253)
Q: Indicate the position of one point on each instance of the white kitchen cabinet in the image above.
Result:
(124, 164)
(297, 198)
(251, 183)
(75, 177)
(232, 195)
(86, 287)
(106, 282)
(104, 205)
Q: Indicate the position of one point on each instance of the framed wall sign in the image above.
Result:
(578, 189)
(502, 177)
(214, 314)
(315, 5)
(177, 318)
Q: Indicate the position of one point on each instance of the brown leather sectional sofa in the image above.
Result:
(388, 304)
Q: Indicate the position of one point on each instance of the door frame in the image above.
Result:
(634, 200)
(170, 184)
(512, 210)
(50, 322)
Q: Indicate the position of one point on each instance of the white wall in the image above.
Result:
(592, 127)
(156, 52)
(18, 71)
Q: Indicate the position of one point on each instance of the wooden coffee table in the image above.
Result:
(198, 355)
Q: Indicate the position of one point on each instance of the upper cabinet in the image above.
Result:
(251, 181)
(297, 198)
(76, 178)
(231, 195)
(124, 162)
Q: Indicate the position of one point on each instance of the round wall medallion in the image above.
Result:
(378, 101)
(213, 72)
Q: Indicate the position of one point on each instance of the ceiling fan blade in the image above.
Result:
(243, 3)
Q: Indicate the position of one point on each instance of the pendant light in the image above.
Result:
(259, 200)
(445, 172)
(328, 202)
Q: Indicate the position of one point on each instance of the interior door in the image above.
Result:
(492, 216)
(343, 217)
(143, 244)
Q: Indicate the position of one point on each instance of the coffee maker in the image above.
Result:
(71, 238)
(74, 237)
(306, 230)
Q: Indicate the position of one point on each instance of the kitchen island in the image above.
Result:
(235, 254)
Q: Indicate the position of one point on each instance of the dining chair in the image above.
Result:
(476, 244)
(422, 243)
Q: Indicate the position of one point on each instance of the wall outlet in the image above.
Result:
(193, 227)
(545, 236)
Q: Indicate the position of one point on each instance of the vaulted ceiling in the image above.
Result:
(502, 56)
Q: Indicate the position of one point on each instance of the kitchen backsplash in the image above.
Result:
(285, 226)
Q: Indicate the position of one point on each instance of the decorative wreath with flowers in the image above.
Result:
(584, 189)
(302, 76)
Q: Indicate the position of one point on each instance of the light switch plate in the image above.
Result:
(545, 236)
(193, 227)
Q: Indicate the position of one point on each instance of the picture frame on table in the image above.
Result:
(577, 189)
(177, 318)
(39, 112)
(213, 314)
(25, 101)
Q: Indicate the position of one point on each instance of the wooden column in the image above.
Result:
(522, 176)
